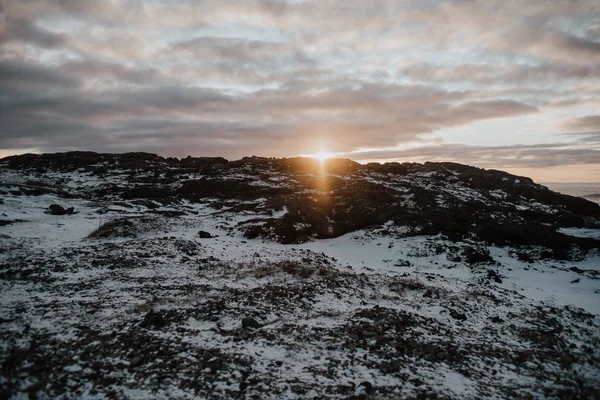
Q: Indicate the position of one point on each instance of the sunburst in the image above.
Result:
(322, 155)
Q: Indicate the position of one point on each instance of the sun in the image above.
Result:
(322, 155)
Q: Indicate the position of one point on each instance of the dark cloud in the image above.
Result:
(585, 129)
(114, 104)
(579, 46)
(476, 110)
(25, 31)
(22, 73)
(589, 138)
(585, 124)
(347, 116)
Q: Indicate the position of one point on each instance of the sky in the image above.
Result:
(511, 84)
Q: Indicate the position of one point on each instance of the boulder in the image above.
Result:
(204, 235)
(56, 209)
(153, 320)
(250, 323)
(457, 315)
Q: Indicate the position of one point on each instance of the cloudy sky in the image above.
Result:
(506, 84)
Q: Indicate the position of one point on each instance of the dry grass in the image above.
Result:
(476, 293)
(121, 227)
(293, 268)
(403, 284)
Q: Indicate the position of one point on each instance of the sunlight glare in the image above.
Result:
(322, 155)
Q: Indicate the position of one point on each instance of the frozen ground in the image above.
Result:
(152, 310)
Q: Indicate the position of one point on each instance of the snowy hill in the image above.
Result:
(292, 278)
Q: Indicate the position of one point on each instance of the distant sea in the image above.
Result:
(589, 191)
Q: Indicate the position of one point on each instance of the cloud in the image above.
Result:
(586, 129)
(240, 49)
(279, 77)
(587, 123)
(514, 74)
(499, 157)
(116, 72)
(239, 60)
(347, 116)
(21, 73)
(25, 31)
(593, 31)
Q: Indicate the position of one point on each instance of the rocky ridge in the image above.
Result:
(330, 199)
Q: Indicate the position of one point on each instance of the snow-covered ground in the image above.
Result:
(371, 308)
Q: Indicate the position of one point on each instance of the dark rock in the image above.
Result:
(493, 275)
(366, 387)
(416, 382)
(459, 316)
(153, 320)
(56, 209)
(203, 162)
(525, 257)
(69, 211)
(252, 232)
(477, 255)
(323, 184)
(496, 319)
(135, 361)
(5, 222)
(387, 367)
(255, 380)
(204, 235)
(298, 389)
(250, 323)
(402, 263)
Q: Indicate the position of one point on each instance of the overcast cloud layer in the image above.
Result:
(370, 80)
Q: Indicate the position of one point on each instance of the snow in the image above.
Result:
(551, 282)
(581, 232)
